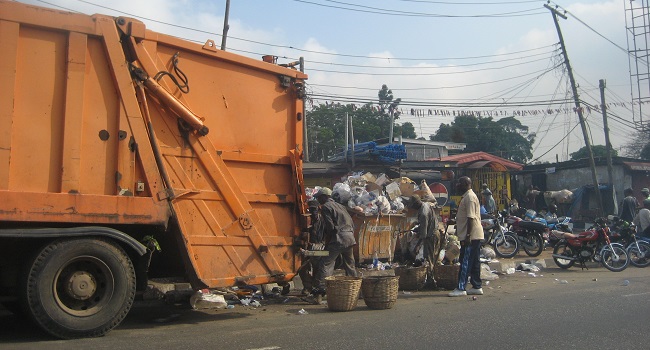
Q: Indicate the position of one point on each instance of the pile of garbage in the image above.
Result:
(390, 154)
(227, 298)
(368, 194)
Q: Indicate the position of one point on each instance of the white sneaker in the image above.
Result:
(475, 291)
(457, 293)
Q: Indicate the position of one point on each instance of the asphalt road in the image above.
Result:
(595, 309)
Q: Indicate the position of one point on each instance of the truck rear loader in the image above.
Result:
(115, 139)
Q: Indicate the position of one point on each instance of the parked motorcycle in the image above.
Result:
(529, 233)
(593, 244)
(556, 229)
(638, 248)
(505, 243)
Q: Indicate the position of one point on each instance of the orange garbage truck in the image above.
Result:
(116, 140)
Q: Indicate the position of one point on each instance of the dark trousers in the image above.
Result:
(470, 263)
(308, 271)
(326, 265)
(431, 249)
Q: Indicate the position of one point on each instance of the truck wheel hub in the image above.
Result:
(81, 285)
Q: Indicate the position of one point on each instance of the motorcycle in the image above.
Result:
(591, 245)
(638, 248)
(505, 243)
(529, 233)
(556, 229)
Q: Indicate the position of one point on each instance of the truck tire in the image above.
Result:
(80, 287)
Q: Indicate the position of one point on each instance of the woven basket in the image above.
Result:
(446, 276)
(342, 292)
(411, 278)
(380, 292)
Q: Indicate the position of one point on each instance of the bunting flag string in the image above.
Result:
(446, 112)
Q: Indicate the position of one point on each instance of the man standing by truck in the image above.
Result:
(338, 233)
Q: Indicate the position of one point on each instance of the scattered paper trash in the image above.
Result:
(564, 282)
(510, 271)
(406, 293)
(204, 299)
(255, 303)
(626, 283)
(230, 306)
(302, 312)
(532, 274)
(528, 267)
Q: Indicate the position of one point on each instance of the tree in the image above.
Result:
(597, 150)
(506, 137)
(638, 142)
(326, 124)
(407, 130)
(645, 152)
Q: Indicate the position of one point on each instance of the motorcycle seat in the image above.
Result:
(583, 235)
(532, 225)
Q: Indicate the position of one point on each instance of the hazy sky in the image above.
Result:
(496, 57)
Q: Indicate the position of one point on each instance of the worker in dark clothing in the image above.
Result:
(338, 233)
(427, 234)
(314, 241)
(629, 205)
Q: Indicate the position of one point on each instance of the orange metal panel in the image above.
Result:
(80, 208)
(9, 40)
(74, 101)
(41, 70)
(252, 196)
(46, 17)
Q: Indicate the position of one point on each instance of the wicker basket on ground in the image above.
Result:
(411, 278)
(342, 292)
(446, 276)
(380, 292)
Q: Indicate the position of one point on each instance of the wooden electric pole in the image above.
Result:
(608, 144)
(226, 26)
(576, 100)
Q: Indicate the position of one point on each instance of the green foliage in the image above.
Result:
(326, 124)
(506, 137)
(597, 150)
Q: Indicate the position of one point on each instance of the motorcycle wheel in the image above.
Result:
(506, 246)
(563, 248)
(614, 258)
(639, 257)
(533, 244)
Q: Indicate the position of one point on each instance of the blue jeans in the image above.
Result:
(470, 263)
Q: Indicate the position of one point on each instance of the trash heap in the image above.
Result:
(365, 193)
(390, 154)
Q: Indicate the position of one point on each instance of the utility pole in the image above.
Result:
(226, 26)
(392, 121)
(608, 144)
(347, 137)
(352, 141)
(576, 100)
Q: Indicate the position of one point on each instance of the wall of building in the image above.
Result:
(574, 178)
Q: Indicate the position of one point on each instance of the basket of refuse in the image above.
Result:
(380, 292)
(446, 276)
(342, 292)
(411, 278)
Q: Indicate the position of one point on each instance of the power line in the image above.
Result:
(390, 12)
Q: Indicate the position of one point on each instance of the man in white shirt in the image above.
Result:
(470, 234)
(642, 219)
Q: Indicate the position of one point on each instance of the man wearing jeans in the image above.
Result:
(470, 234)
